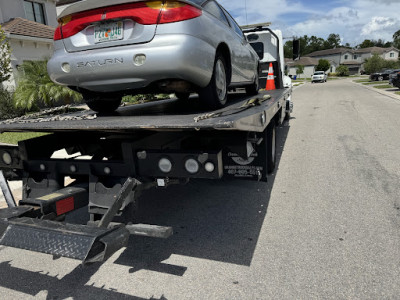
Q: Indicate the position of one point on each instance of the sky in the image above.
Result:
(353, 20)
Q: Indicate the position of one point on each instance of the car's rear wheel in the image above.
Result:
(253, 88)
(182, 96)
(215, 94)
(380, 78)
(101, 103)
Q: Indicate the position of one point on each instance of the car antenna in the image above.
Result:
(245, 8)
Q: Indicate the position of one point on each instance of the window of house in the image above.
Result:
(346, 57)
(34, 11)
(355, 56)
(392, 54)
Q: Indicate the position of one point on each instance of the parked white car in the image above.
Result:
(319, 76)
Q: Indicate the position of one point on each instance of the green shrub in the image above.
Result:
(342, 71)
(7, 108)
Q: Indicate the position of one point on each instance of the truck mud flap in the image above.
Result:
(86, 243)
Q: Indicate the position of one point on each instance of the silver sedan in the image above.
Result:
(131, 47)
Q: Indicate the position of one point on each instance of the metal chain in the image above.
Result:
(39, 117)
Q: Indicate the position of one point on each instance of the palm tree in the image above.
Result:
(35, 87)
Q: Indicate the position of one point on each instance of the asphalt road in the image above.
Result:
(326, 226)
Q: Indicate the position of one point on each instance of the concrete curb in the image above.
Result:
(379, 91)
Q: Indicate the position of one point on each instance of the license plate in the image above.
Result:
(109, 32)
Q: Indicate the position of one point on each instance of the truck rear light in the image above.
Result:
(65, 205)
(192, 166)
(145, 13)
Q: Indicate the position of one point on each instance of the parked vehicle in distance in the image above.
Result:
(395, 81)
(382, 75)
(319, 76)
(131, 47)
(393, 75)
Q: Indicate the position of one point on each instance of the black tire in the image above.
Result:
(101, 102)
(182, 96)
(380, 78)
(253, 88)
(215, 94)
(287, 116)
(104, 106)
(271, 146)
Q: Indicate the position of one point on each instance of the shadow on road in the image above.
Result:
(70, 286)
(213, 220)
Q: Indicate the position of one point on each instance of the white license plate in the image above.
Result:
(109, 32)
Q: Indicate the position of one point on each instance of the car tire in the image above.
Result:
(271, 146)
(182, 96)
(380, 78)
(253, 88)
(101, 103)
(215, 94)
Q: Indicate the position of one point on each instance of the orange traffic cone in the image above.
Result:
(270, 80)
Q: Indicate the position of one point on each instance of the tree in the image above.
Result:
(35, 87)
(5, 57)
(299, 69)
(333, 41)
(374, 64)
(323, 65)
(342, 70)
(396, 39)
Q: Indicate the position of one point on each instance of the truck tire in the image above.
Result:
(253, 88)
(380, 78)
(215, 94)
(271, 146)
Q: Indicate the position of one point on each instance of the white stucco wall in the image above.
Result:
(27, 50)
(394, 53)
(308, 71)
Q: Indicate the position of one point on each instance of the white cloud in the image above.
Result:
(353, 20)
(377, 25)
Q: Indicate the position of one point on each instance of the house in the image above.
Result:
(29, 27)
(309, 64)
(353, 59)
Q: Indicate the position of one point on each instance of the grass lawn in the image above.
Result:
(361, 80)
(15, 137)
(376, 82)
(385, 86)
(397, 93)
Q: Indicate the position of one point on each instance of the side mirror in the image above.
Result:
(296, 49)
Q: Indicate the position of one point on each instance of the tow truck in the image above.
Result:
(114, 158)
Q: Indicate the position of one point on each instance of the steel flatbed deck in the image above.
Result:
(166, 115)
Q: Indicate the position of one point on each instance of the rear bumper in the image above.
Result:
(112, 69)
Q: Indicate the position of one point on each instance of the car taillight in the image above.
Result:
(145, 13)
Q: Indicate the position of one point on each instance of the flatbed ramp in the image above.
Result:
(242, 113)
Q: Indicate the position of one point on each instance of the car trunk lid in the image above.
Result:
(91, 24)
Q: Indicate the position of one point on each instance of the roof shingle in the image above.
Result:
(20, 26)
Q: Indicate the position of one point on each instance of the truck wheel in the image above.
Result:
(215, 94)
(271, 146)
(253, 88)
(380, 78)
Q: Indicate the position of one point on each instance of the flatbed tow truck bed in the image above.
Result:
(166, 115)
(115, 157)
